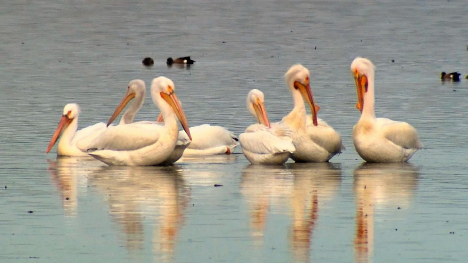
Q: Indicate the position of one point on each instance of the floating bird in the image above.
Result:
(263, 143)
(181, 60)
(148, 61)
(144, 143)
(314, 139)
(137, 90)
(67, 129)
(453, 76)
(208, 140)
(379, 139)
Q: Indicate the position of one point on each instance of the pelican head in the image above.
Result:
(70, 112)
(136, 90)
(297, 79)
(363, 72)
(164, 96)
(256, 107)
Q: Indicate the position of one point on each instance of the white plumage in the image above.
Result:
(263, 143)
(144, 143)
(206, 140)
(379, 139)
(136, 91)
(210, 140)
(314, 139)
(67, 130)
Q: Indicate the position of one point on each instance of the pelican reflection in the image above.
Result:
(210, 159)
(136, 194)
(265, 187)
(67, 174)
(314, 185)
(296, 188)
(379, 184)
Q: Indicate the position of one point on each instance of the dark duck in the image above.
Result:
(453, 76)
(181, 60)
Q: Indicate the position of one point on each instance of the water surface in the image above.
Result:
(75, 209)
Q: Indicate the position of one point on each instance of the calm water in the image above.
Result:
(79, 210)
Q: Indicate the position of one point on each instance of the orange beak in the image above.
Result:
(361, 89)
(64, 122)
(306, 93)
(262, 116)
(173, 101)
(128, 97)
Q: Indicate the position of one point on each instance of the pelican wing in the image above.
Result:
(400, 133)
(206, 136)
(127, 137)
(325, 136)
(255, 127)
(265, 141)
(87, 135)
(279, 129)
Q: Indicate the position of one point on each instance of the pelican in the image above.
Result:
(211, 140)
(137, 90)
(206, 140)
(70, 137)
(261, 142)
(144, 143)
(314, 139)
(379, 139)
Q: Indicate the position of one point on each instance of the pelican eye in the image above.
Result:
(169, 89)
(69, 114)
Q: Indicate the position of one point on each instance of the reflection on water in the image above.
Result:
(264, 187)
(314, 184)
(180, 66)
(303, 186)
(137, 193)
(67, 173)
(210, 159)
(376, 184)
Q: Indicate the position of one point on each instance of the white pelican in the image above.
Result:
(70, 137)
(206, 140)
(315, 140)
(262, 143)
(137, 90)
(211, 140)
(379, 139)
(144, 143)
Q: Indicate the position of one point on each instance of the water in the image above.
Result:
(67, 209)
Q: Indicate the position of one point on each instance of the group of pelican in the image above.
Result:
(145, 142)
(301, 137)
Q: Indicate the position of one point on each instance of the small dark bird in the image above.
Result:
(453, 76)
(148, 61)
(181, 60)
